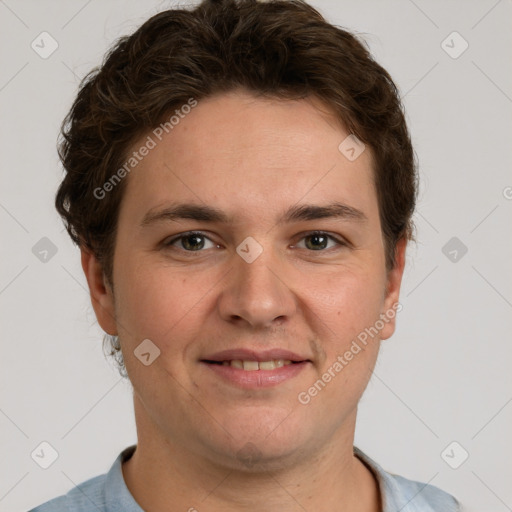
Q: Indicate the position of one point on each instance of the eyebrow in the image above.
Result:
(296, 213)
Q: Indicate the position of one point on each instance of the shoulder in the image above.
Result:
(103, 493)
(421, 497)
(86, 496)
(399, 493)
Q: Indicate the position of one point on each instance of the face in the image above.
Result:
(249, 272)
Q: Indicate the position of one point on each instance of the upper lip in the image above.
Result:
(244, 354)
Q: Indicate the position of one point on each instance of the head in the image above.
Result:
(244, 110)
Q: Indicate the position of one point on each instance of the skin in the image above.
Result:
(253, 158)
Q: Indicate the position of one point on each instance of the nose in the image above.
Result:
(257, 294)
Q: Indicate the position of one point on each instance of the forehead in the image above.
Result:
(251, 155)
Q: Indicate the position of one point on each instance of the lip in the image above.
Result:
(244, 354)
(256, 379)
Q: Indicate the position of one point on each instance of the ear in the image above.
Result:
(102, 297)
(394, 281)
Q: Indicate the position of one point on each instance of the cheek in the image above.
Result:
(343, 311)
(346, 308)
(161, 304)
(347, 311)
(347, 303)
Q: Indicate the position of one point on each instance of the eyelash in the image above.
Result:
(169, 244)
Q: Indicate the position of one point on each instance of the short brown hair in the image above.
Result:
(279, 48)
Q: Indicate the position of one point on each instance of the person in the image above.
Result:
(240, 180)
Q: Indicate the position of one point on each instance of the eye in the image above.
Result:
(318, 240)
(193, 241)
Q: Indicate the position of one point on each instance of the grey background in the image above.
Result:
(445, 374)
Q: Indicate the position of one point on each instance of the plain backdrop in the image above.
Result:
(443, 378)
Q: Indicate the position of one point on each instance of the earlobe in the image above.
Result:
(394, 281)
(102, 298)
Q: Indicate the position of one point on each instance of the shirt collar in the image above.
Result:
(117, 496)
(388, 486)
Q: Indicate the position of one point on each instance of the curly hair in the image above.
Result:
(277, 48)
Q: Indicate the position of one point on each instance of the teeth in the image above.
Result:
(267, 365)
(251, 366)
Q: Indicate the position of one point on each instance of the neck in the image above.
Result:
(161, 472)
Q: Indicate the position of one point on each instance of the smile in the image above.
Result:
(251, 365)
(251, 374)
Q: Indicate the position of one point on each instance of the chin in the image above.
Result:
(270, 444)
(259, 457)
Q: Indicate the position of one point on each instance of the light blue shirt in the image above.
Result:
(108, 493)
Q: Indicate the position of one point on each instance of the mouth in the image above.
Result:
(250, 369)
(250, 365)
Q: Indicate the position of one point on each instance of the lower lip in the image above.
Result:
(257, 378)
